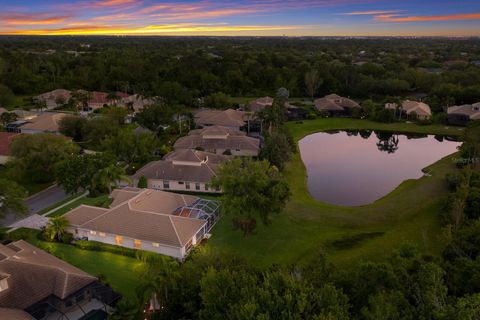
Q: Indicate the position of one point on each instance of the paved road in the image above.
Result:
(38, 202)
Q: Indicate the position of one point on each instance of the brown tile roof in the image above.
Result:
(5, 141)
(14, 314)
(47, 122)
(54, 94)
(228, 118)
(419, 108)
(470, 110)
(259, 104)
(334, 102)
(232, 143)
(34, 275)
(146, 216)
(206, 139)
(183, 165)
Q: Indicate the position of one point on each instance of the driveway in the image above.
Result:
(38, 202)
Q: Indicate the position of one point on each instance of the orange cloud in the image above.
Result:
(397, 18)
(113, 3)
(31, 19)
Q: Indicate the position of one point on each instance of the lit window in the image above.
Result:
(93, 232)
(102, 234)
(118, 240)
(156, 244)
(137, 244)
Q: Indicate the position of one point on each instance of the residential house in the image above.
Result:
(53, 98)
(182, 170)
(47, 122)
(137, 102)
(463, 114)
(413, 109)
(232, 119)
(35, 284)
(336, 105)
(145, 219)
(260, 104)
(5, 142)
(221, 141)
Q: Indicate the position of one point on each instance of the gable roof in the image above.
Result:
(46, 122)
(54, 94)
(227, 118)
(6, 139)
(148, 215)
(24, 264)
(183, 165)
(419, 108)
(334, 102)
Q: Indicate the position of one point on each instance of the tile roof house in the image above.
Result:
(137, 102)
(233, 119)
(220, 140)
(335, 104)
(47, 122)
(464, 113)
(42, 285)
(50, 98)
(410, 108)
(5, 141)
(146, 219)
(182, 170)
(260, 104)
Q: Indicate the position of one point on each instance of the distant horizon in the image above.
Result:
(248, 18)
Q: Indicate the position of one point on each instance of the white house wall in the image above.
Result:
(175, 252)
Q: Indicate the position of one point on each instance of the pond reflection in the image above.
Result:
(359, 167)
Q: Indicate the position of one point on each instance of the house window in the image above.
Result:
(137, 244)
(206, 187)
(197, 186)
(238, 150)
(180, 182)
(166, 184)
(93, 232)
(102, 234)
(118, 240)
(187, 185)
(156, 244)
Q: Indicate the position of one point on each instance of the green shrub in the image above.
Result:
(98, 246)
(67, 238)
(142, 182)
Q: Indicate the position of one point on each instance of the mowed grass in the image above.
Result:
(409, 214)
(101, 201)
(120, 272)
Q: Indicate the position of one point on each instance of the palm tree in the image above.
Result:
(126, 310)
(160, 274)
(110, 175)
(57, 227)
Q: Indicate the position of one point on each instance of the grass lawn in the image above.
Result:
(101, 201)
(20, 102)
(119, 271)
(406, 215)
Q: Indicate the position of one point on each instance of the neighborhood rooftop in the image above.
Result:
(144, 214)
(23, 265)
(183, 165)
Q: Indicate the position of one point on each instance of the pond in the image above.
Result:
(355, 168)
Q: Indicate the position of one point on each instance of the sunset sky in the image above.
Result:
(245, 17)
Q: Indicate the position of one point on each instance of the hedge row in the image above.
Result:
(98, 246)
